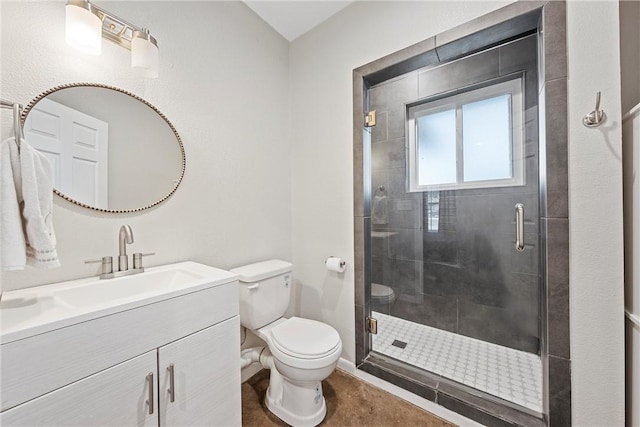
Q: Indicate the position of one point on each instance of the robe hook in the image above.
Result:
(596, 117)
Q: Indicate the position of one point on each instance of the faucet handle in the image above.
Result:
(107, 264)
(137, 258)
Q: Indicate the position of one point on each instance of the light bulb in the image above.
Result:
(144, 53)
(83, 29)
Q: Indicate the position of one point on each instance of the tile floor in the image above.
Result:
(350, 402)
(510, 374)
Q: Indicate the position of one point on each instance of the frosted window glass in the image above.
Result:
(437, 148)
(486, 136)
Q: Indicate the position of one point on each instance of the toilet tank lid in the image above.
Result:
(262, 270)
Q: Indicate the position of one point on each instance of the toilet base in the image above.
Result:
(296, 405)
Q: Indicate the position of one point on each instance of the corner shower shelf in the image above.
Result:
(382, 234)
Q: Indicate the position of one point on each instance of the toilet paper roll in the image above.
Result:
(335, 264)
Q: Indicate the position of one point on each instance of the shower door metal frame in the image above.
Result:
(548, 19)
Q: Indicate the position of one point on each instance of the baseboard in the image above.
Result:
(427, 405)
(345, 365)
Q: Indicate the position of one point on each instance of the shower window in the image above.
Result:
(467, 140)
(433, 211)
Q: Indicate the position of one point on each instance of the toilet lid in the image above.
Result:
(305, 338)
(381, 291)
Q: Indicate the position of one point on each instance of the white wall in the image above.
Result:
(595, 211)
(224, 85)
(321, 85)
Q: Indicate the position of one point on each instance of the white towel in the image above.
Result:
(12, 243)
(32, 178)
(380, 210)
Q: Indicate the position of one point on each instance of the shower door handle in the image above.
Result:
(519, 227)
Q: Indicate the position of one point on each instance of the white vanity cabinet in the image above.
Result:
(206, 385)
(114, 397)
(182, 354)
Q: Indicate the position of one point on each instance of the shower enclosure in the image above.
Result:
(453, 168)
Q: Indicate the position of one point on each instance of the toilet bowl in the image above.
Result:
(382, 297)
(301, 352)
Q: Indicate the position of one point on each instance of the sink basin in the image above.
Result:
(36, 310)
(127, 287)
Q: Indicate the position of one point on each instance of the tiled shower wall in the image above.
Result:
(467, 277)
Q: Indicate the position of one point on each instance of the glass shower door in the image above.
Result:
(455, 230)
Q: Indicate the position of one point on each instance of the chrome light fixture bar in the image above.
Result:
(81, 31)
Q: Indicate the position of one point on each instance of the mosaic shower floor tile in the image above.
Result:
(509, 374)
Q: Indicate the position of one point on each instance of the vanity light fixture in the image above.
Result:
(83, 27)
(87, 23)
(144, 53)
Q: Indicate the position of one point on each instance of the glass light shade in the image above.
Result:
(83, 29)
(144, 54)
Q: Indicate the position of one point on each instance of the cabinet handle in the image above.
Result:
(172, 390)
(150, 401)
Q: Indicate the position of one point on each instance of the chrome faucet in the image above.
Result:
(124, 237)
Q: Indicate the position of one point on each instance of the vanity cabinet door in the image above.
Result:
(206, 378)
(117, 396)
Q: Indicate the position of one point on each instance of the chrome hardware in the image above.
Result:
(114, 28)
(596, 117)
(150, 401)
(107, 264)
(370, 119)
(137, 259)
(122, 273)
(372, 325)
(125, 236)
(17, 113)
(632, 318)
(172, 384)
(519, 227)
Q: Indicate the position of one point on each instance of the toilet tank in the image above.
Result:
(265, 291)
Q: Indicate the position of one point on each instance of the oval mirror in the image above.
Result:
(110, 150)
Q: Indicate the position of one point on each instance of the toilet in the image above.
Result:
(382, 298)
(301, 352)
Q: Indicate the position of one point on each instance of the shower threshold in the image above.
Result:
(512, 375)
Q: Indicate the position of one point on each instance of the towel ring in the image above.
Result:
(17, 125)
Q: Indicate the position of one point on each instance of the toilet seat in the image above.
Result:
(305, 338)
(382, 293)
(302, 343)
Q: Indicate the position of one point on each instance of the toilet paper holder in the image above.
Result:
(335, 264)
(342, 262)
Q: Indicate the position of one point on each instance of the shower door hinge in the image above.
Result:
(370, 119)
(372, 325)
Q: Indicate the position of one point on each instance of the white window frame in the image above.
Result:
(513, 87)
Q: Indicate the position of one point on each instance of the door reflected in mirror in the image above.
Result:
(110, 150)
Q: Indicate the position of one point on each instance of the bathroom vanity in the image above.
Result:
(159, 348)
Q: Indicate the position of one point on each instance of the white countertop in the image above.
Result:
(40, 309)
